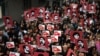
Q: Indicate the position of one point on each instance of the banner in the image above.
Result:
(33, 14)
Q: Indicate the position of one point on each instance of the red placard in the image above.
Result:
(8, 21)
(14, 54)
(55, 18)
(10, 45)
(92, 8)
(42, 42)
(25, 49)
(47, 18)
(81, 44)
(33, 14)
(75, 35)
(56, 49)
(71, 53)
(41, 54)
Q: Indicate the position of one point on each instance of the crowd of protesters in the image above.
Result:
(26, 32)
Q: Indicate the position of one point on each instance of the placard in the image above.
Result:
(10, 44)
(42, 42)
(25, 49)
(41, 27)
(57, 32)
(81, 44)
(14, 54)
(8, 21)
(54, 38)
(57, 49)
(45, 33)
(75, 35)
(50, 27)
(55, 18)
(47, 18)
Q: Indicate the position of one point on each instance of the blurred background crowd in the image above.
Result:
(74, 16)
